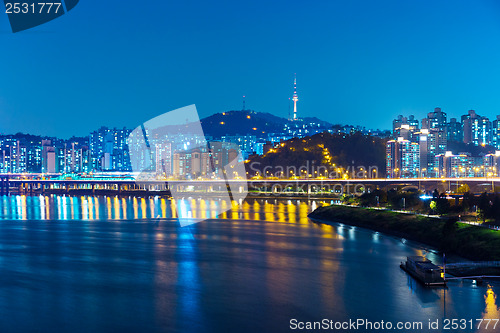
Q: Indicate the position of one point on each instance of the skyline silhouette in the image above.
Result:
(357, 63)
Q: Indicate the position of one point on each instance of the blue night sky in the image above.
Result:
(120, 63)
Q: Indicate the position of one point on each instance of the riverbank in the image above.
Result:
(467, 241)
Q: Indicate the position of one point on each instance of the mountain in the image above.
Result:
(328, 150)
(247, 122)
(241, 123)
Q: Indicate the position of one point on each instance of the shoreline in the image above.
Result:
(408, 241)
(466, 241)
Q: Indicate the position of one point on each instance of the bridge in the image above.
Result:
(359, 185)
(41, 183)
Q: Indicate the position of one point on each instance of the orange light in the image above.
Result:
(222, 123)
(248, 117)
(254, 129)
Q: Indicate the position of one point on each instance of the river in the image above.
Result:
(108, 264)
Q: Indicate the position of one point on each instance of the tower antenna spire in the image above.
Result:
(243, 103)
(295, 97)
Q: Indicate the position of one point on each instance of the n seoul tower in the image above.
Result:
(295, 98)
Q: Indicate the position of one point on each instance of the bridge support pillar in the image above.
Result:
(5, 185)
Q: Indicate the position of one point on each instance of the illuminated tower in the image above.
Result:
(295, 98)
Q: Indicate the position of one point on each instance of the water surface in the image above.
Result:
(108, 264)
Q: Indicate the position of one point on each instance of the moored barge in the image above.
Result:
(424, 271)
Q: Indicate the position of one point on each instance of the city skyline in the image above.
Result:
(410, 59)
(427, 148)
(249, 166)
(423, 149)
(492, 116)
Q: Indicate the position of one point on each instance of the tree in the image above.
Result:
(484, 207)
(468, 201)
(374, 198)
(464, 188)
(495, 209)
(440, 206)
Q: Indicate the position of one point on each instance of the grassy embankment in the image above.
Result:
(467, 241)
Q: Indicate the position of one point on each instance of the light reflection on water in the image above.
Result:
(54, 207)
(109, 264)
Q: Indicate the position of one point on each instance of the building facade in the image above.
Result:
(403, 159)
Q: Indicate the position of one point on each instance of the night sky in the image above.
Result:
(120, 63)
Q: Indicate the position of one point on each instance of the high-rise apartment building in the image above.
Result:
(432, 143)
(476, 129)
(456, 166)
(435, 120)
(13, 156)
(454, 130)
(405, 127)
(163, 159)
(109, 150)
(403, 159)
(495, 133)
(492, 164)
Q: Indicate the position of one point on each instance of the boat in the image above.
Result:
(423, 270)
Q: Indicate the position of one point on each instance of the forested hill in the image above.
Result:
(329, 150)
